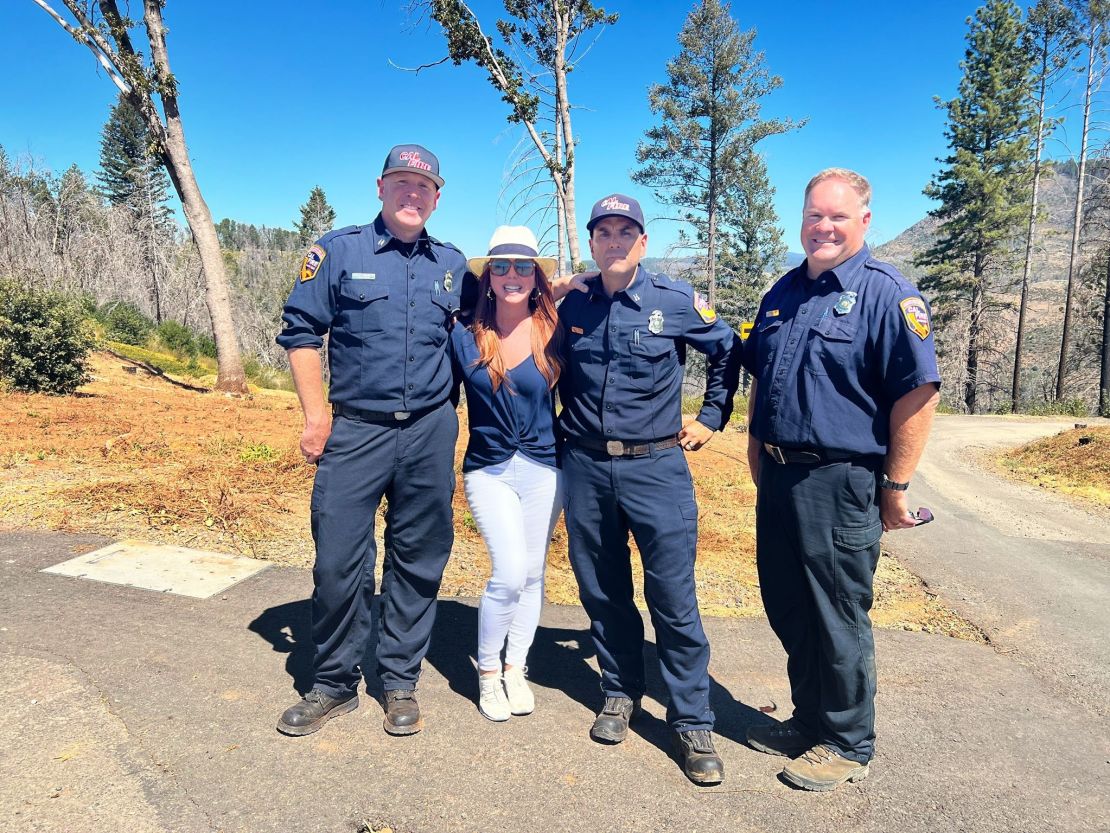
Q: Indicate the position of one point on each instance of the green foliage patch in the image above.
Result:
(44, 341)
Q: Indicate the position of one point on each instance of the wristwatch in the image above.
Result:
(890, 484)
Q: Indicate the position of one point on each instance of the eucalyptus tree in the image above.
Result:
(107, 33)
(1050, 37)
(538, 45)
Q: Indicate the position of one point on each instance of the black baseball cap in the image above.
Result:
(413, 158)
(616, 205)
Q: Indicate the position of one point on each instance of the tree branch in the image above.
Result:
(89, 36)
(416, 70)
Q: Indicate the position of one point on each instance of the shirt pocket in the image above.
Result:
(767, 336)
(438, 316)
(649, 361)
(362, 305)
(831, 345)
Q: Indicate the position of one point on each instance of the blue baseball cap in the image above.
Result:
(415, 159)
(616, 205)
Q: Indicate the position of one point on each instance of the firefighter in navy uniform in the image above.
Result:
(625, 471)
(845, 388)
(385, 293)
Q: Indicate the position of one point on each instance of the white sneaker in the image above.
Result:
(521, 700)
(492, 702)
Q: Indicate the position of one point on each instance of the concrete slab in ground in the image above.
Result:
(164, 707)
(165, 569)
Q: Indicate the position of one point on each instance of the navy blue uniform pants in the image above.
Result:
(653, 498)
(411, 465)
(817, 546)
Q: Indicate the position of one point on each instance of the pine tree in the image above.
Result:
(131, 176)
(317, 217)
(984, 185)
(701, 157)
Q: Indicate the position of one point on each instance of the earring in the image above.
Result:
(489, 292)
(535, 293)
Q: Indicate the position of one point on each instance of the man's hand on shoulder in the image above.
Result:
(561, 287)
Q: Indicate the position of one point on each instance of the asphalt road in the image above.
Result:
(130, 711)
(1030, 568)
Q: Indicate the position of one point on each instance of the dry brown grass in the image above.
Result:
(1075, 462)
(134, 457)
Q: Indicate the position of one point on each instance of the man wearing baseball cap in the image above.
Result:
(384, 294)
(625, 472)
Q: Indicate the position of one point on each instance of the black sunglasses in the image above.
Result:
(524, 268)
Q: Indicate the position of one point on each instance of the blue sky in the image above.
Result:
(276, 101)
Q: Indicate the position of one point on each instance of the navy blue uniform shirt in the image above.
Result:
(625, 358)
(388, 306)
(520, 416)
(831, 356)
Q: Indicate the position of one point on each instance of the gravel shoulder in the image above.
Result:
(1029, 567)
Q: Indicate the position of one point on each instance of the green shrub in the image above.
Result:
(206, 346)
(124, 322)
(177, 338)
(44, 341)
(1074, 407)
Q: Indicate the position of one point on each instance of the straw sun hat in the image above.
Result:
(513, 243)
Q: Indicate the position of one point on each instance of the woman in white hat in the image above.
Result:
(507, 358)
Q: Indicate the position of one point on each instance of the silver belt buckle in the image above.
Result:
(614, 448)
(401, 416)
(776, 453)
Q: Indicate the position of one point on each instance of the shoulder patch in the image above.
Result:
(312, 262)
(701, 306)
(916, 317)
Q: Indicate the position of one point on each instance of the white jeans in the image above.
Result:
(515, 505)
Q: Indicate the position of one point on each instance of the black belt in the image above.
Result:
(620, 448)
(811, 456)
(377, 416)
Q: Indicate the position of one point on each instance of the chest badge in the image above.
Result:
(844, 303)
(448, 281)
(655, 321)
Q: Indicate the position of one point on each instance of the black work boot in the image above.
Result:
(402, 714)
(611, 724)
(700, 760)
(315, 709)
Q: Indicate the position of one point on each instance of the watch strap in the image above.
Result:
(887, 483)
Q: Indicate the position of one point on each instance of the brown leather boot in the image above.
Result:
(402, 713)
(315, 709)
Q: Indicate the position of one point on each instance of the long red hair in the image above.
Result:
(547, 333)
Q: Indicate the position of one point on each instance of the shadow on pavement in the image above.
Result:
(559, 660)
(288, 629)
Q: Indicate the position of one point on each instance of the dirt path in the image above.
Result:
(1029, 567)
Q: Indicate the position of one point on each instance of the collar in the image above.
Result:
(383, 237)
(634, 292)
(845, 276)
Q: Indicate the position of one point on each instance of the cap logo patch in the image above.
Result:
(703, 309)
(613, 204)
(312, 261)
(413, 160)
(916, 317)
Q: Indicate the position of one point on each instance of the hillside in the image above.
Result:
(1048, 280)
